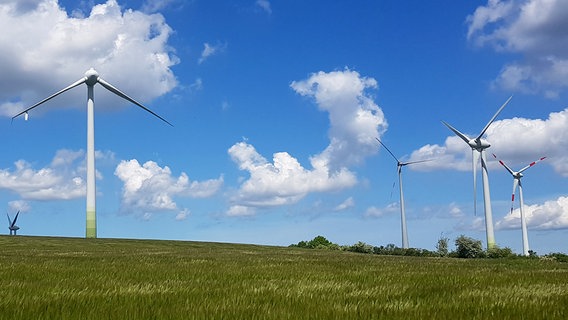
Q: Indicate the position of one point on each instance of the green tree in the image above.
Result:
(319, 242)
(442, 246)
(467, 247)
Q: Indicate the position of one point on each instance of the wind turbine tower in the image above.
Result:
(12, 224)
(399, 165)
(478, 146)
(517, 175)
(91, 78)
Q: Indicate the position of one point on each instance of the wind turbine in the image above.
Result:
(91, 78)
(12, 224)
(517, 175)
(478, 145)
(399, 165)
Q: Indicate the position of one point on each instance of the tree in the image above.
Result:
(319, 242)
(442, 246)
(467, 247)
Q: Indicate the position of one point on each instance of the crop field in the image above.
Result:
(69, 278)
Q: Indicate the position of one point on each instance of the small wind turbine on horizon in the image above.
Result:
(478, 145)
(399, 165)
(12, 224)
(517, 175)
(91, 78)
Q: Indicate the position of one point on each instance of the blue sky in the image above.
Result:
(276, 106)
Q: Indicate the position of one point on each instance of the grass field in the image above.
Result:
(68, 278)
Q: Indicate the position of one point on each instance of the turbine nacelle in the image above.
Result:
(91, 77)
(479, 144)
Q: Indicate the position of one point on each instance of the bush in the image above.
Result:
(497, 252)
(560, 257)
(318, 242)
(467, 247)
(361, 247)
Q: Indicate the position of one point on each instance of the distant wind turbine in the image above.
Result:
(478, 145)
(399, 166)
(90, 79)
(517, 175)
(12, 224)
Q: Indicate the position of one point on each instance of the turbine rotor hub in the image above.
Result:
(479, 144)
(91, 76)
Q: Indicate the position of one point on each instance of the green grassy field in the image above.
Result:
(67, 278)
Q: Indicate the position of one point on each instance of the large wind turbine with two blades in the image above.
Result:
(12, 223)
(399, 165)
(517, 175)
(91, 78)
(478, 145)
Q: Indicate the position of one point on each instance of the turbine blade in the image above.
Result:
(9, 220)
(475, 159)
(515, 184)
(532, 164)
(456, 131)
(504, 165)
(392, 154)
(493, 119)
(73, 85)
(417, 161)
(16, 218)
(119, 93)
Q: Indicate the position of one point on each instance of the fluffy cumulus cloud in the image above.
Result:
(355, 122)
(550, 215)
(547, 137)
(282, 181)
(537, 30)
(355, 119)
(43, 48)
(63, 179)
(150, 188)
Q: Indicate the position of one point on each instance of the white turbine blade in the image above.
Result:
(456, 131)
(493, 119)
(417, 161)
(73, 85)
(119, 93)
(504, 165)
(475, 159)
(532, 164)
(516, 182)
(395, 158)
(9, 220)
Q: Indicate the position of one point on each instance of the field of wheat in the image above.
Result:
(68, 278)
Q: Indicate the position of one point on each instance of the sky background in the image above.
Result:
(276, 107)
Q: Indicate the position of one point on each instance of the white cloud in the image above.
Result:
(355, 122)
(151, 188)
(210, 50)
(264, 5)
(550, 215)
(376, 212)
(19, 205)
(348, 203)
(43, 49)
(535, 29)
(282, 182)
(151, 6)
(183, 214)
(548, 137)
(241, 211)
(63, 179)
(355, 119)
